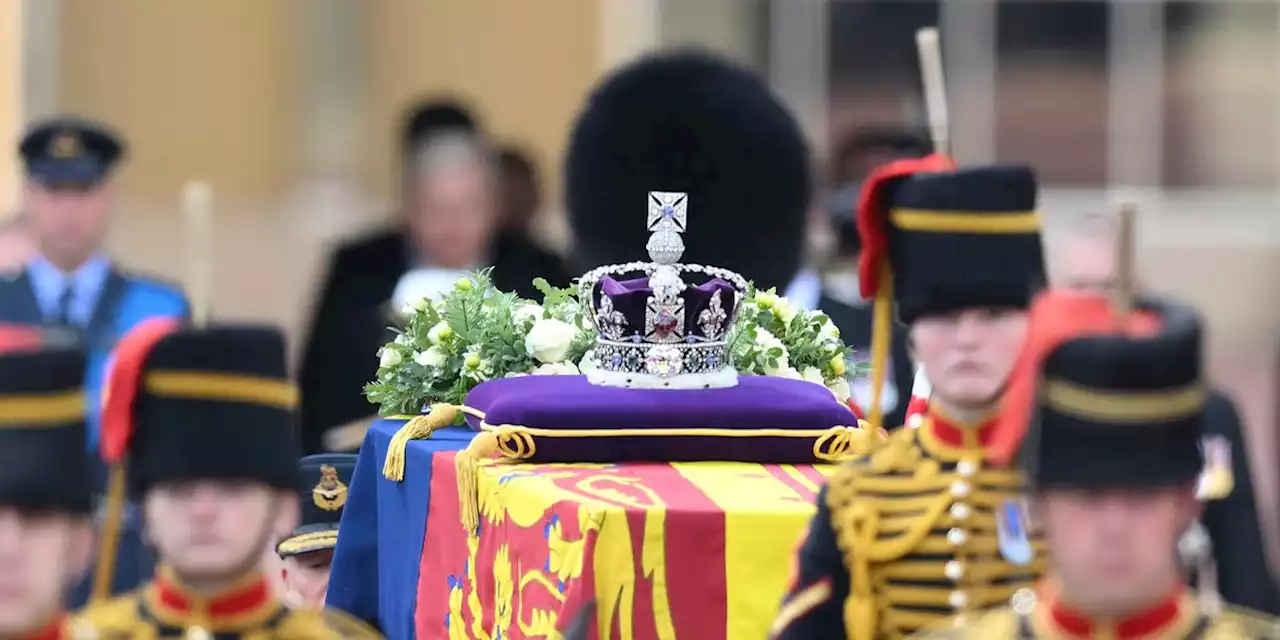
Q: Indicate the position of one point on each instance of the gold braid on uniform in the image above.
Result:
(916, 525)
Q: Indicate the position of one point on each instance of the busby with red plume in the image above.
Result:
(212, 403)
(1098, 400)
(42, 424)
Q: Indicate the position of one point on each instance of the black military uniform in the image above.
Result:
(1111, 410)
(904, 536)
(42, 431)
(323, 481)
(212, 404)
(690, 123)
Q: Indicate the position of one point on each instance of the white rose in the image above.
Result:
(549, 340)
(788, 372)
(840, 389)
(556, 369)
(828, 331)
(439, 333)
(779, 366)
(432, 357)
(528, 311)
(813, 374)
(767, 340)
(389, 357)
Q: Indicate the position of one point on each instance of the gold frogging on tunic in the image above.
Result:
(916, 525)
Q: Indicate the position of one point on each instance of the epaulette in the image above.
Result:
(114, 619)
(1238, 623)
(324, 625)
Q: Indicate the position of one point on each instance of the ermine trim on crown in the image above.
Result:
(659, 331)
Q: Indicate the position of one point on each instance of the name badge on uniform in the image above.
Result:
(1012, 532)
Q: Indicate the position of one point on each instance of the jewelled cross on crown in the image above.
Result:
(668, 215)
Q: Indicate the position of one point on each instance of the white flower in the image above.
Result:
(402, 339)
(422, 303)
(556, 369)
(766, 299)
(828, 332)
(515, 374)
(440, 332)
(389, 357)
(788, 372)
(588, 362)
(528, 311)
(766, 341)
(840, 389)
(432, 357)
(549, 340)
(475, 367)
(813, 374)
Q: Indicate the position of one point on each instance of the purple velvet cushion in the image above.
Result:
(559, 403)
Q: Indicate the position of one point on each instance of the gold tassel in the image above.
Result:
(881, 336)
(465, 463)
(104, 577)
(417, 428)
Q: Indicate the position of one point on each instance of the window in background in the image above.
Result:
(1222, 87)
(874, 75)
(1051, 84)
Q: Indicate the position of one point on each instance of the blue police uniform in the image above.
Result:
(97, 303)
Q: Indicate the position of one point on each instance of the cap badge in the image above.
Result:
(330, 494)
(66, 145)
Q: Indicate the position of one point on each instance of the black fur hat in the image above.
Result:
(694, 123)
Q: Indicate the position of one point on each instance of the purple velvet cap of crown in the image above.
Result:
(629, 297)
(570, 402)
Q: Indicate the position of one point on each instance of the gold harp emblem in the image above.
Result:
(330, 494)
(66, 145)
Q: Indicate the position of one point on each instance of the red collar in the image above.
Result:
(958, 434)
(51, 631)
(248, 603)
(1175, 612)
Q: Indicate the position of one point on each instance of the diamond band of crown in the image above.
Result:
(659, 331)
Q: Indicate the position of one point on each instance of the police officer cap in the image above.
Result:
(690, 122)
(70, 150)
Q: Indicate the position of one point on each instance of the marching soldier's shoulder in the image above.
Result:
(323, 625)
(1238, 623)
(110, 619)
(991, 625)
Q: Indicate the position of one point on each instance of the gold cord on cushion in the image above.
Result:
(417, 428)
(846, 443)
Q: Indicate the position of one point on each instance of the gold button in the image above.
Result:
(958, 599)
(957, 537)
(966, 468)
(960, 488)
(954, 570)
(960, 511)
(1023, 602)
(915, 421)
(198, 633)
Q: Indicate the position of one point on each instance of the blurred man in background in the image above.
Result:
(856, 155)
(71, 284)
(1086, 261)
(520, 204)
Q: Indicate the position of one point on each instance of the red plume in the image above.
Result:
(16, 337)
(124, 373)
(1056, 317)
(873, 212)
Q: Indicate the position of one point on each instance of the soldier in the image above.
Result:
(308, 552)
(72, 284)
(206, 419)
(909, 534)
(1116, 404)
(46, 536)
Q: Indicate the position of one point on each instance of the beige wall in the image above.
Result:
(11, 102)
(525, 66)
(202, 89)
